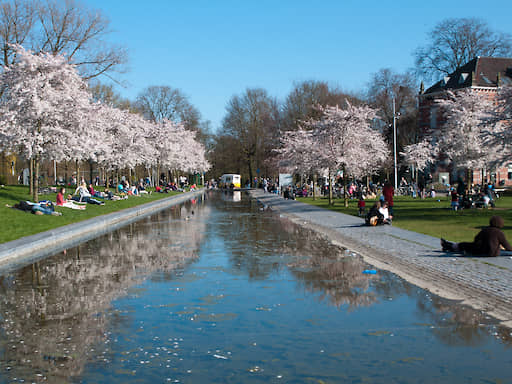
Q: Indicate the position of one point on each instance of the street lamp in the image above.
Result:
(394, 144)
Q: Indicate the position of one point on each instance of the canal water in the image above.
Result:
(219, 290)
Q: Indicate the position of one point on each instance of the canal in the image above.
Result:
(220, 290)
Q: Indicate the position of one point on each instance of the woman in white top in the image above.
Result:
(385, 212)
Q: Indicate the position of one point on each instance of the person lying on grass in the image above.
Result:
(487, 242)
(42, 208)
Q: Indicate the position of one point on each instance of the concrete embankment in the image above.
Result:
(483, 283)
(30, 248)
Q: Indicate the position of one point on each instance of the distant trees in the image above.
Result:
(386, 86)
(60, 27)
(158, 103)
(455, 41)
(250, 125)
(106, 94)
(302, 102)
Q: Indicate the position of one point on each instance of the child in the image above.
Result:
(361, 204)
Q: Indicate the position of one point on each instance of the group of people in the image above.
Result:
(382, 211)
(124, 188)
(82, 196)
(483, 198)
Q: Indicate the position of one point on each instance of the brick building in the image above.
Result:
(483, 75)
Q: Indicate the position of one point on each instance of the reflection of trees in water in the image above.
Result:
(317, 264)
(51, 311)
(460, 325)
(334, 275)
(337, 279)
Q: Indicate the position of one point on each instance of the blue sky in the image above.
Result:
(212, 50)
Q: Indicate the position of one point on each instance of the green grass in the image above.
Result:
(433, 217)
(15, 223)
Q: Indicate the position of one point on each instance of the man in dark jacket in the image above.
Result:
(487, 242)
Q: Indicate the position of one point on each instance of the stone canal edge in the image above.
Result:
(35, 247)
(482, 283)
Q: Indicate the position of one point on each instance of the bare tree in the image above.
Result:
(251, 121)
(386, 86)
(17, 20)
(302, 102)
(61, 27)
(454, 42)
(163, 102)
(106, 94)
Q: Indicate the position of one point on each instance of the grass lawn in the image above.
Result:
(15, 223)
(433, 217)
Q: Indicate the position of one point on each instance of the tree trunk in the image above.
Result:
(314, 185)
(90, 171)
(31, 177)
(331, 201)
(77, 170)
(469, 180)
(250, 171)
(345, 196)
(36, 180)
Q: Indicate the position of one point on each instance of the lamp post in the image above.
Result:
(394, 144)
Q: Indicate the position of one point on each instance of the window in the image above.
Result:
(433, 117)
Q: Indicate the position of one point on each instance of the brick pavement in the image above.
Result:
(484, 283)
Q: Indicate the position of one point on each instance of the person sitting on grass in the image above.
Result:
(61, 202)
(85, 196)
(384, 210)
(141, 189)
(121, 188)
(487, 242)
(374, 217)
(95, 193)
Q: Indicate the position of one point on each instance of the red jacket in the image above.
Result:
(60, 199)
(388, 191)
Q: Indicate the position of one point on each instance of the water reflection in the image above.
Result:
(335, 276)
(53, 312)
(252, 289)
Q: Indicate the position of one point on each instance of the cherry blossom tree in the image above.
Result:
(462, 137)
(298, 153)
(419, 155)
(124, 143)
(45, 109)
(348, 141)
(466, 137)
(498, 135)
(176, 148)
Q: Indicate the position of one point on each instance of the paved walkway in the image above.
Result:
(484, 283)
